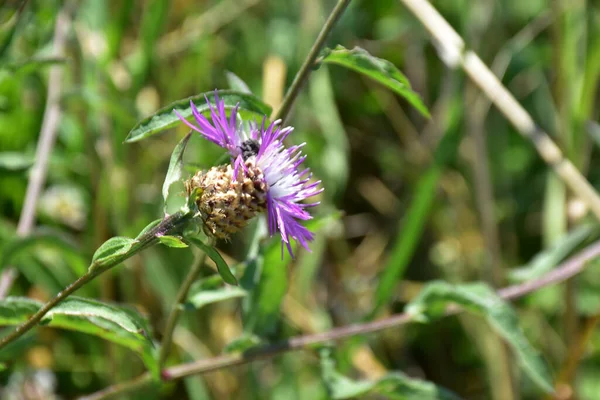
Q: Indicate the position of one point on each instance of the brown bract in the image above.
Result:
(226, 204)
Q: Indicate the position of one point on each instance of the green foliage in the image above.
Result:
(166, 118)
(394, 385)
(413, 225)
(110, 322)
(214, 255)
(375, 68)
(13, 161)
(172, 241)
(113, 249)
(480, 299)
(174, 199)
(418, 204)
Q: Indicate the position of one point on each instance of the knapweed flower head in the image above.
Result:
(263, 175)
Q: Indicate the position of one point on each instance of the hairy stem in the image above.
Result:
(564, 271)
(307, 65)
(177, 308)
(171, 224)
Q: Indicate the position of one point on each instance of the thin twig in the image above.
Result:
(48, 133)
(307, 66)
(564, 271)
(191, 277)
(454, 53)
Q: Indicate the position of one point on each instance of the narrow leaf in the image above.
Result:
(13, 161)
(19, 245)
(203, 297)
(174, 172)
(549, 258)
(16, 310)
(222, 266)
(116, 324)
(149, 227)
(166, 117)
(113, 248)
(480, 299)
(265, 279)
(413, 224)
(394, 385)
(236, 83)
(172, 241)
(375, 68)
(242, 343)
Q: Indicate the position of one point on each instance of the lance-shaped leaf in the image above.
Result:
(166, 117)
(214, 255)
(112, 249)
(547, 259)
(375, 68)
(117, 324)
(45, 237)
(236, 83)
(13, 161)
(211, 290)
(173, 186)
(480, 299)
(395, 385)
(266, 280)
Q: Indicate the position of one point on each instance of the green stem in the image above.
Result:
(171, 224)
(308, 64)
(177, 308)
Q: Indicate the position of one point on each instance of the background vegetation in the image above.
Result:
(459, 197)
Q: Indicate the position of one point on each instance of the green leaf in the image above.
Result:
(116, 324)
(112, 249)
(222, 266)
(7, 31)
(392, 385)
(549, 258)
(31, 64)
(166, 117)
(149, 227)
(207, 293)
(40, 237)
(236, 83)
(172, 186)
(13, 161)
(480, 299)
(266, 280)
(242, 343)
(413, 224)
(172, 241)
(16, 310)
(375, 68)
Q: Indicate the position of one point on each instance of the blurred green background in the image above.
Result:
(460, 196)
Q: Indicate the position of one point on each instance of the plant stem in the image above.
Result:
(455, 54)
(35, 318)
(564, 271)
(177, 308)
(121, 389)
(171, 224)
(48, 133)
(306, 68)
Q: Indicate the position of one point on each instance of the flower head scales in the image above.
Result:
(262, 148)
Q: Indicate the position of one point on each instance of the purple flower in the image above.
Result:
(288, 184)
